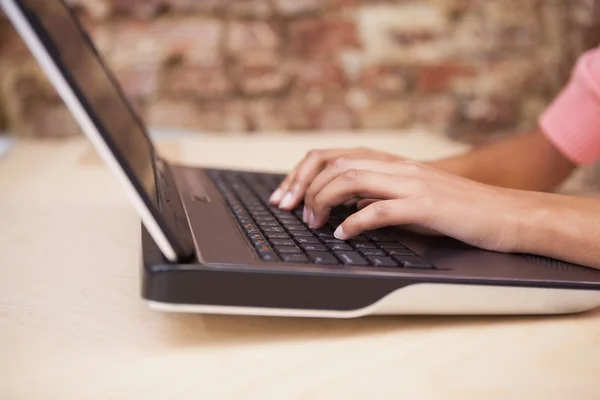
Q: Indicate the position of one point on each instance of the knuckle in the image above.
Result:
(351, 175)
(340, 162)
(428, 202)
(381, 209)
(412, 166)
(314, 153)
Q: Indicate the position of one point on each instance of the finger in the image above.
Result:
(306, 171)
(380, 214)
(282, 189)
(365, 203)
(341, 165)
(353, 183)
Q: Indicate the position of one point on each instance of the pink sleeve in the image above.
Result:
(572, 121)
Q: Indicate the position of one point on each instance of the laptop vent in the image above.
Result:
(550, 263)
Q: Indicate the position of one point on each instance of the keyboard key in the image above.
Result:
(288, 250)
(325, 231)
(369, 252)
(295, 258)
(265, 224)
(365, 246)
(288, 223)
(265, 248)
(296, 228)
(379, 261)
(313, 247)
(351, 258)
(260, 242)
(412, 262)
(269, 257)
(302, 234)
(323, 258)
(256, 236)
(405, 252)
(378, 237)
(392, 246)
(252, 231)
(312, 240)
(359, 239)
(273, 229)
(282, 242)
(265, 218)
(277, 235)
(343, 247)
(332, 241)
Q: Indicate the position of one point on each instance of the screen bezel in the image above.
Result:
(169, 239)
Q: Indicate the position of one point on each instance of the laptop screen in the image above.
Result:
(116, 130)
(125, 133)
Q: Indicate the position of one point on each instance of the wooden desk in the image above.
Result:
(73, 326)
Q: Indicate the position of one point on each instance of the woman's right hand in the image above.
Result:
(291, 191)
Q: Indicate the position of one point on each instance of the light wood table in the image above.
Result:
(73, 325)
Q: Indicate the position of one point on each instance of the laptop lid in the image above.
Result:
(96, 101)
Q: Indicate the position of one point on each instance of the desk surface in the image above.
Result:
(73, 326)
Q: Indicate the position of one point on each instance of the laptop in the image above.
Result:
(211, 243)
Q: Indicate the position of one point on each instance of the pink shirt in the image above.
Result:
(572, 121)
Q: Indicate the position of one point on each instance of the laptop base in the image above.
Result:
(193, 288)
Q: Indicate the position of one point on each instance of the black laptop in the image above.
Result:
(211, 243)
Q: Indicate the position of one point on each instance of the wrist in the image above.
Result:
(534, 219)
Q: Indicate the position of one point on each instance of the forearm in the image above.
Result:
(528, 162)
(561, 227)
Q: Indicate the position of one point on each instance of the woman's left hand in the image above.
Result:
(413, 194)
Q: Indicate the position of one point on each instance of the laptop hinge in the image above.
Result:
(170, 205)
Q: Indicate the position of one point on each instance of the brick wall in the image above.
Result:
(467, 68)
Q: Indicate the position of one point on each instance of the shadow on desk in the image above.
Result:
(197, 330)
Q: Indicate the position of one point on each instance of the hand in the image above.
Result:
(291, 191)
(412, 194)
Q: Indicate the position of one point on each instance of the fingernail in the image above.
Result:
(304, 215)
(276, 196)
(311, 219)
(339, 233)
(287, 200)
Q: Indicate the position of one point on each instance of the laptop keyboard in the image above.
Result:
(281, 236)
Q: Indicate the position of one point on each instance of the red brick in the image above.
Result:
(11, 45)
(137, 8)
(265, 115)
(318, 110)
(385, 114)
(335, 117)
(261, 73)
(384, 79)
(209, 116)
(250, 36)
(484, 114)
(201, 81)
(435, 111)
(141, 43)
(318, 37)
(319, 73)
(295, 7)
(96, 9)
(436, 78)
(249, 8)
(169, 114)
(185, 6)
